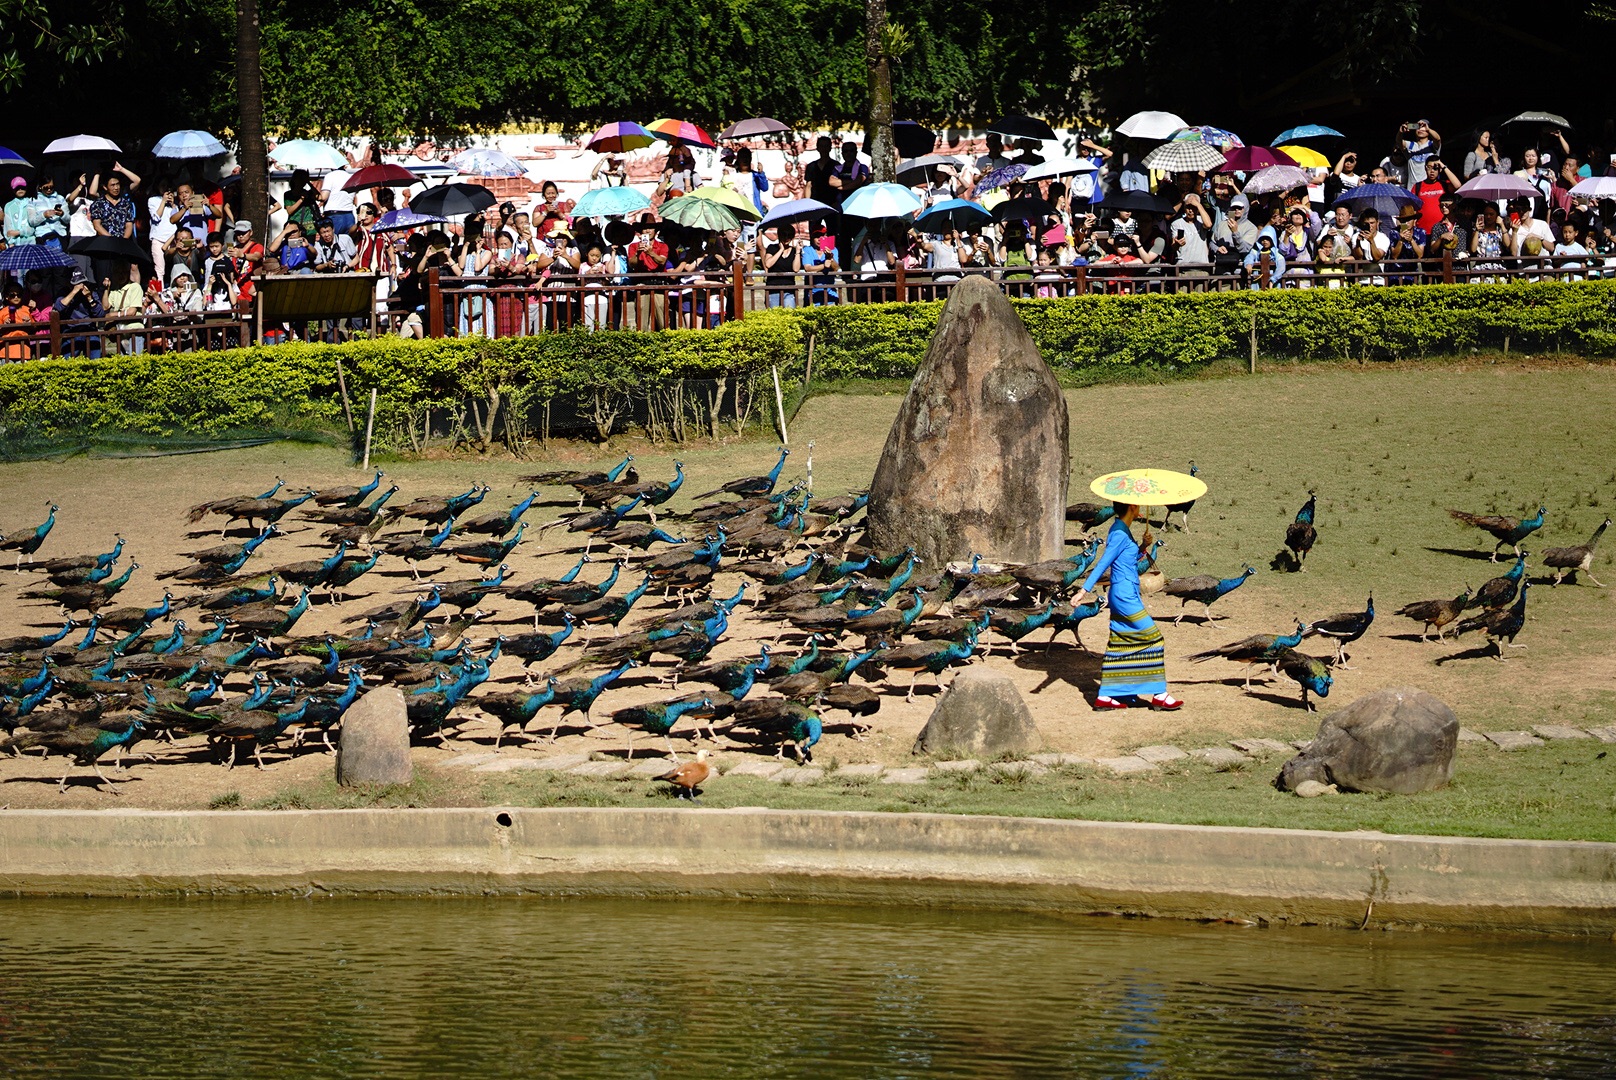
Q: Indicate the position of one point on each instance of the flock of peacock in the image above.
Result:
(831, 624)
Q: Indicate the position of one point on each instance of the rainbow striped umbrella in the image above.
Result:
(616, 138)
(680, 131)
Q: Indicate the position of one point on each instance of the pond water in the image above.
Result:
(528, 988)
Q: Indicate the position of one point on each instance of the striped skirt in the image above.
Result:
(1135, 658)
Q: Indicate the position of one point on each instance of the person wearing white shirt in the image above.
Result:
(339, 204)
(1527, 229)
(160, 209)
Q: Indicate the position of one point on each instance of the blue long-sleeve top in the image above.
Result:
(1121, 557)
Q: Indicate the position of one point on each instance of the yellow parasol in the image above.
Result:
(728, 196)
(1307, 159)
(1148, 487)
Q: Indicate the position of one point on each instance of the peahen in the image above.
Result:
(1309, 672)
(1572, 560)
(1343, 628)
(1505, 529)
(751, 486)
(28, 541)
(1499, 592)
(1435, 613)
(1204, 589)
(1257, 649)
(349, 496)
(1301, 534)
(1499, 624)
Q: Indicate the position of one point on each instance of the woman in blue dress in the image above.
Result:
(1135, 664)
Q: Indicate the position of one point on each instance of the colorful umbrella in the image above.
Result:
(758, 125)
(744, 208)
(1308, 159)
(25, 257)
(11, 157)
(1387, 199)
(1000, 177)
(1307, 131)
(1016, 126)
(453, 200)
(310, 154)
(694, 213)
(82, 144)
(1149, 487)
(1492, 186)
(189, 143)
(404, 218)
(611, 202)
(1182, 155)
(1275, 178)
(679, 131)
(1151, 124)
(619, 137)
(1214, 136)
(380, 176)
(789, 213)
(958, 214)
(881, 201)
(1252, 158)
(486, 161)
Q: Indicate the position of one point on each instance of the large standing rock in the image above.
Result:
(374, 745)
(1400, 740)
(976, 460)
(981, 715)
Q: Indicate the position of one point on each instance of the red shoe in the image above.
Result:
(1165, 703)
(1103, 702)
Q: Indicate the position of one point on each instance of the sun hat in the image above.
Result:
(17, 182)
(242, 227)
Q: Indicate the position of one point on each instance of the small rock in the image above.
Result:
(463, 759)
(1219, 757)
(1559, 731)
(651, 767)
(1466, 735)
(1124, 766)
(760, 769)
(603, 769)
(1513, 740)
(1400, 741)
(1053, 760)
(980, 714)
(1301, 744)
(1158, 755)
(507, 764)
(807, 774)
(966, 764)
(1312, 789)
(1021, 768)
(559, 763)
(854, 772)
(373, 746)
(915, 775)
(1603, 734)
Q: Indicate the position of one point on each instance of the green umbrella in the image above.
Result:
(694, 213)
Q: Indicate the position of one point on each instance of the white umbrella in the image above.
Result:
(1151, 125)
(79, 144)
(881, 201)
(1051, 170)
(1595, 187)
(189, 143)
(1275, 178)
(310, 154)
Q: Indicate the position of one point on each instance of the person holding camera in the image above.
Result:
(1189, 233)
(1420, 142)
(334, 252)
(80, 302)
(1439, 181)
(1234, 235)
(782, 261)
(647, 267)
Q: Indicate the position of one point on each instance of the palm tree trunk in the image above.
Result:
(251, 153)
(878, 131)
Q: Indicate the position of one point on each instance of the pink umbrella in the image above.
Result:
(1276, 178)
(1252, 158)
(618, 137)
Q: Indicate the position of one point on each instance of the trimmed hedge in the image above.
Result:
(491, 389)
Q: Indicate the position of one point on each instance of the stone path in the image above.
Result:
(1146, 759)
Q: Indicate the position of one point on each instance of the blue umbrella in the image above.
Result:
(1000, 177)
(789, 213)
(25, 257)
(1385, 198)
(405, 218)
(1306, 131)
(189, 143)
(486, 161)
(881, 201)
(610, 202)
(955, 214)
(11, 157)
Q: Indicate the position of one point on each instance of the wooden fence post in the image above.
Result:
(1447, 266)
(738, 291)
(55, 334)
(434, 305)
(903, 283)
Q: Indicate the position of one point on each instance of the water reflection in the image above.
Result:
(605, 989)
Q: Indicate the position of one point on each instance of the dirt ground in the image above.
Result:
(1387, 449)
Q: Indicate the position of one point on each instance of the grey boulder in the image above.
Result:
(1399, 741)
(374, 746)
(981, 715)
(977, 458)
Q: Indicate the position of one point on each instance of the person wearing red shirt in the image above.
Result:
(246, 257)
(648, 255)
(1439, 180)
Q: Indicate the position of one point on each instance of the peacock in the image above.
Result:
(350, 496)
(432, 510)
(29, 642)
(500, 524)
(1435, 613)
(729, 675)
(1309, 672)
(515, 708)
(1499, 624)
(1183, 507)
(595, 521)
(1506, 529)
(534, 648)
(403, 614)
(488, 552)
(127, 618)
(28, 541)
(1301, 534)
(353, 515)
(577, 479)
(658, 718)
(934, 656)
(782, 720)
(1013, 626)
(1499, 592)
(1204, 589)
(84, 744)
(349, 571)
(579, 695)
(314, 572)
(537, 591)
(1072, 620)
(267, 511)
(1257, 649)
(416, 550)
(68, 567)
(268, 619)
(90, 597)
(748, 487)
(1572, 560)
(1090, 515)
(226, 504)
(1343, 628)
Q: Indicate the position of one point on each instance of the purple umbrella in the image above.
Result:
(1252, 158)
(405, 218)
(998, 178)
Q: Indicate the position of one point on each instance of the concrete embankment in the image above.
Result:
(1274, 875)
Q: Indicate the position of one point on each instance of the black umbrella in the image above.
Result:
(453, 200)
(1025, 208)
(1533, 116)
(1016, 126)
(911, 139)
(112, 247)
(1137, 201)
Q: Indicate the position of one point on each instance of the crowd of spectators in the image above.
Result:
(523, 269)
